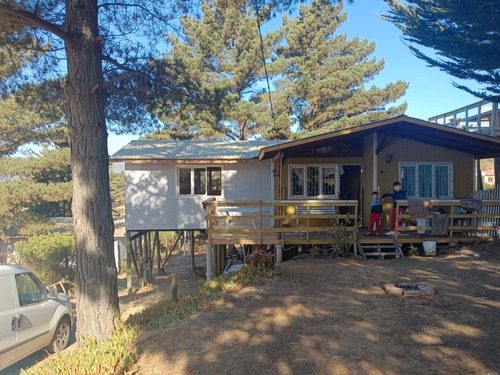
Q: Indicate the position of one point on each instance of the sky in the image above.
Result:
(430, 91)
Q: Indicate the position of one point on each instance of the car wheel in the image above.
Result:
(61, 336)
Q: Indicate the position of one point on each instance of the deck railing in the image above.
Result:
(314, 222)
(463, 222)
(274, 222)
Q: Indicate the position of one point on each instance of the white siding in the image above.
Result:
(152, 203)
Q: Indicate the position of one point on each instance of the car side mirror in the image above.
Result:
(53, 292)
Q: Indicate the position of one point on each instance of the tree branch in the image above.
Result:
(21, 17)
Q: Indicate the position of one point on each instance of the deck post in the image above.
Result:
(210, 274)
(279, 254)
(129, 264)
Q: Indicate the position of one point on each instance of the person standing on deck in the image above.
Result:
(375, 212)
(397, 195)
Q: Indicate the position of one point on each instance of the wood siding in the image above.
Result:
(403, 150)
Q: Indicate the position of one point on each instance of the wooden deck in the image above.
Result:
(282, 223)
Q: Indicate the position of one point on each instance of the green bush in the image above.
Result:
(51, 257)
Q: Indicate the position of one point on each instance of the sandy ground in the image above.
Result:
(331, 316)
(179, 264)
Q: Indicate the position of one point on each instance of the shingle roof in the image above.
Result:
(191, 150)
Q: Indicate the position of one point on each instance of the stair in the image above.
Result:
(380, 250)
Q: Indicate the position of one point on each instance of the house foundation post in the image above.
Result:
(210, 273)
(279, 254)
(129, 264)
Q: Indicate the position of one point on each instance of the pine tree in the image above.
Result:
(34, 115)
(107, 48)
(324, 75)
(36, 188)
(464, 34)
(218, 65)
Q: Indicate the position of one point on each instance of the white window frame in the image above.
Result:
(336, 167)
(192, 176)
(416, 165)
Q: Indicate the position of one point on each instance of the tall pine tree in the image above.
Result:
(106, 47)
(218, 64)
(323, 76)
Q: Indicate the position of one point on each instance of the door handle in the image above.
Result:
(20, 321)
(13, 323)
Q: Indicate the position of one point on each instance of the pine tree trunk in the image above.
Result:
(96, 276)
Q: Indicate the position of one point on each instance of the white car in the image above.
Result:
(31, 317)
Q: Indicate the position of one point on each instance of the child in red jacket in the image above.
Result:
(375, 212)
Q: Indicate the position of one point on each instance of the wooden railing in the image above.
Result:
(482, 222)
(290, 222)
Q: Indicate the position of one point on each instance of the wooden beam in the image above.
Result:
(382, 143)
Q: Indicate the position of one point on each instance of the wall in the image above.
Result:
(403, 150)
(315, 160)
(152, 203)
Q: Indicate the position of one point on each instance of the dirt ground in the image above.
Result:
(331, 316)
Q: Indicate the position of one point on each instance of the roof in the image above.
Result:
(190, 150)
(8, 269)
(479, 145)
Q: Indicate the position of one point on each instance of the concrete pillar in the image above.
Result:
(210, 273)
(279, 254)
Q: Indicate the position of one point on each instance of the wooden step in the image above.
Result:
(378, 247)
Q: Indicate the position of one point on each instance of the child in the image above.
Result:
(375, 212)
(397, 194)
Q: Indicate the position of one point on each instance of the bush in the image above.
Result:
(115, 355)
(51, 257)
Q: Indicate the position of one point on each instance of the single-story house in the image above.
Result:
(166, 181)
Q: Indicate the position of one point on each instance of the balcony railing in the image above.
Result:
(463, 222)
(280, 222)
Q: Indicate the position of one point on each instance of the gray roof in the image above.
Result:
(191, 150)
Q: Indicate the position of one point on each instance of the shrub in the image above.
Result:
(115, 355)
(51, 257)
(261, 258)
(340, 236)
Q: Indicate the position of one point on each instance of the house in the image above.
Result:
(489, 176)
(166, 181)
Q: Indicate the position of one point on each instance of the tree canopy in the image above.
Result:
(318, 78)
(218, 66)
(322, 76)
(37, 188)
(465, 35)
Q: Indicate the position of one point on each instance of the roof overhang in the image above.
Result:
(479, 145)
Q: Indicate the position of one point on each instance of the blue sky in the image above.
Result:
(430, 91)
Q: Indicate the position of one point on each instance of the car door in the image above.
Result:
(35, 314)
(8, 321)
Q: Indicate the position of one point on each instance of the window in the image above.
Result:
(427, 180)
(29, 289)
(199, 181)
(313, 181)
